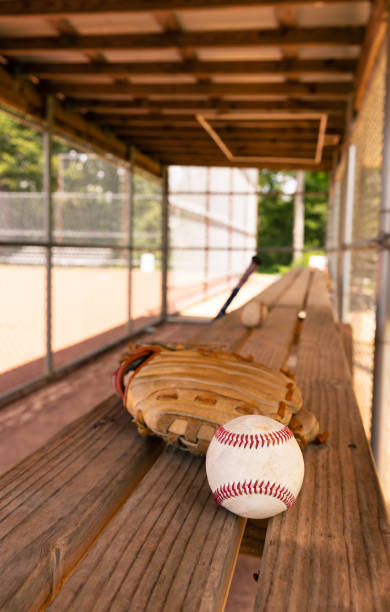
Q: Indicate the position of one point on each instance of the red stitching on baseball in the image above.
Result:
(230, 438)
(227, 491)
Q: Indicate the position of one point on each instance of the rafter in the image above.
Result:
(188, 136)
(283, 38)
(232, 126)
(171, 106)
(186, 127)
(336, 91)
(20, 8)
(194, 159)
(288, 68)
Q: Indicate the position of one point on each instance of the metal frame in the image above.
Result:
(130, 211)
(48, 212)
(48, 243)
(165, 245)
(209, 287)
(381, 378)
(348, 232)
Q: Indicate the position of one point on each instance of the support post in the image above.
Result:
(165, 245)
(48, 212)
(347, 238)
(130, 226)
(207, 234)
(381, 379)
(230, 230)
(299, 217)
(335, 231)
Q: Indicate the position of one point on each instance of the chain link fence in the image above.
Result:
(81, 263)
(353, 255)
(212, 227)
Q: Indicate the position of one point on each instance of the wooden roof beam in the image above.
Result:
(336, 91)
(21, 95)
(288, 68)
(295, 126)
(283, 38)
(214, 160)
(42, 8)
(171, 106)
(178, 124)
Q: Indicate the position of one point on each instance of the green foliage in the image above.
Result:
(276, 215)
(315, 209)
(89, 194)
(21, 156)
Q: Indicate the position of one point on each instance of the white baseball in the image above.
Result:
(254, 467)
(253, 314)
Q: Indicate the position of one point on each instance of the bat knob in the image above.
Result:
(257, 260)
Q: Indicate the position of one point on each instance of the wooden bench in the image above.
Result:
(103, 519)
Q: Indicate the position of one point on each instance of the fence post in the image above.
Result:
(130, 227)
(48, 213)
(347, 238)
(381, 378)
(165, 244)
(332, 238)
(299, 217)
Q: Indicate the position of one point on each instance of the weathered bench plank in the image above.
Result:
(331, 551)
(346, 335)
(94, 464)
(229, 331)
(170, 547)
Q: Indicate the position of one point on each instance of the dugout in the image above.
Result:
(189, 100)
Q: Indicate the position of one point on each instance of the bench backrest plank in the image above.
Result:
(170, 547)
(331, 551)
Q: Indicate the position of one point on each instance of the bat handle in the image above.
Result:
(227, 303)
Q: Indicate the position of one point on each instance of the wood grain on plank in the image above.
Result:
(229, 330)
(334, 544)
(271, 342)
(346, 335)
(170, 547)
(56, 502)
(158, 548)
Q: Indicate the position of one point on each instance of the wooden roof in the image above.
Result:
(217, 82)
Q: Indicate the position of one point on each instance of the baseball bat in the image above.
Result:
(255, 263)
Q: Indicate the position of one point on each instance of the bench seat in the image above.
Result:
(101, 518)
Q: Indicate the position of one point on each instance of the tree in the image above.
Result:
(21, 156)
(276, 210)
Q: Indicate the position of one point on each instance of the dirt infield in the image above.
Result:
(89, 309)
(86, 302)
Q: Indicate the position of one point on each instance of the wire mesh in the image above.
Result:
(367, 137)
(212, 227)
(74, 283)
(89, 300)
(22, 315)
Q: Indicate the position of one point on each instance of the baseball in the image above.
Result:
(254, 467)
(253, 314)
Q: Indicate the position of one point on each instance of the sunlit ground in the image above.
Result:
(209, 308)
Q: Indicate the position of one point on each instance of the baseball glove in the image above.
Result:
(184, 393)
